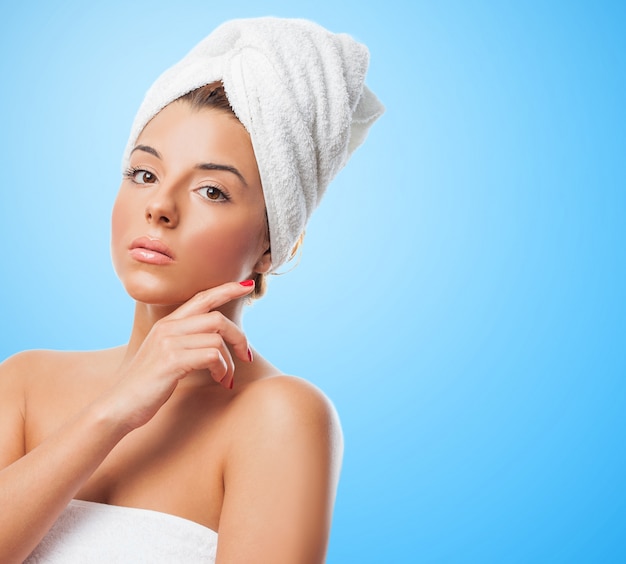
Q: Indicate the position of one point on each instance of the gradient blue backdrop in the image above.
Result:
(461, 293)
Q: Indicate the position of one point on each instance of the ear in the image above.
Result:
(264, 264)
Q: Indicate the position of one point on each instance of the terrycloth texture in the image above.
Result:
(299, 91)
(88, 532)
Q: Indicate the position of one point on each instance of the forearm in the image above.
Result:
(35, 489)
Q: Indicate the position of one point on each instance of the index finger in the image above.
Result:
(208, 300)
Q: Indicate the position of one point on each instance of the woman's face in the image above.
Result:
(190, 213)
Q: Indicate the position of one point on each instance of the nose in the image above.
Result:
(162, 209)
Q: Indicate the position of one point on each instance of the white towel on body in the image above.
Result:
(88, 532)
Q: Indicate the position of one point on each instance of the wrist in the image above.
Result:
(108, 418)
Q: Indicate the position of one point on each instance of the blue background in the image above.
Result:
(461, 295)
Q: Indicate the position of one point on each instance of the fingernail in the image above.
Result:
(249, 354)
(247, 283)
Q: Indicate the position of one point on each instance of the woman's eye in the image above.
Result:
(212, 193)
(143, 177)
(140, 176)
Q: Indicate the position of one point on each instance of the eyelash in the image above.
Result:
(222, 193)
(131, 172)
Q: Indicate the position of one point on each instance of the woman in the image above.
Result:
(149, 450)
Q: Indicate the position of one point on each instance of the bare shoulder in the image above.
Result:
(16, 375)
(13, 374)
(31, 367)
(288, 401)
(53, 384)
(16, 369)
(284, 452)
(43, 388)
(285, 417)
(28, 361)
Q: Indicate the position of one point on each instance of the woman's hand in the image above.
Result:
(194, 337)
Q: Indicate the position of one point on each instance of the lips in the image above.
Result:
(152, 251)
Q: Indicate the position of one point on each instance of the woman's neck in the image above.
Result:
(146, 315)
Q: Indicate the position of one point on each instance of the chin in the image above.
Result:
(158, 294)
(172, 289)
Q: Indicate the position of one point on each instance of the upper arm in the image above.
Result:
(280, 475)
(12, 408)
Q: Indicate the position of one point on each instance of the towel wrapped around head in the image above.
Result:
(299, 91)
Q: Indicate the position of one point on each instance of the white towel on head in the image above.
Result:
(299, 91)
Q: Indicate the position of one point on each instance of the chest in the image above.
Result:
(173, 464)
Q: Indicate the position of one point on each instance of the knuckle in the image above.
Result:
(213, 356)
(161, 328)
(170, 357)
(216, 318)
(167, 343)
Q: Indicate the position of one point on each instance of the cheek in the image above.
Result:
(235, 247)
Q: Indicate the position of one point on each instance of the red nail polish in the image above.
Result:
(247, 283)
(249, 354)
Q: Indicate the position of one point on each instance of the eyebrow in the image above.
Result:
(227, 168)
(147, 149)
(201, 166)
